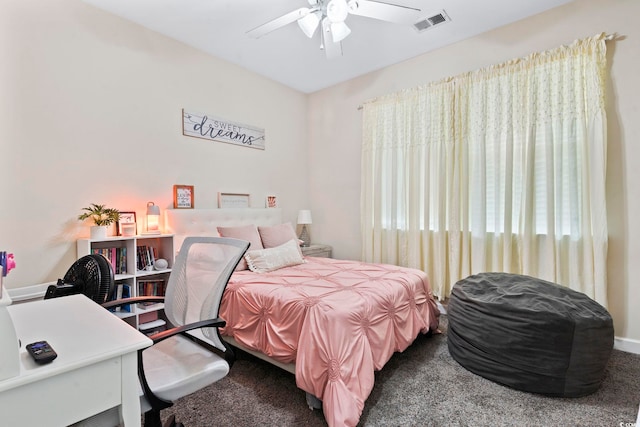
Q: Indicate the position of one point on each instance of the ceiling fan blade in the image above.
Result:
(331, 49)
(384, 11)
(279, 22)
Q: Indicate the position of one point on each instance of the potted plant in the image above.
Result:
(102, 217)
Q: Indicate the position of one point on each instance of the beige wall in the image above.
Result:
(90, 111)
(334, 131)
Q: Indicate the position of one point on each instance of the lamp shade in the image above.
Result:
(339, 31)
(304, 217)
(152, 209)
(309, 23)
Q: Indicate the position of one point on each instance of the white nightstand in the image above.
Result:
(321, 251)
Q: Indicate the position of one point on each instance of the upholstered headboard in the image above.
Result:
(204, 222)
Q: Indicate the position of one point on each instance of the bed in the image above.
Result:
(330, 322)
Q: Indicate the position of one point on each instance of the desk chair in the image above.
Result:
(190, 355)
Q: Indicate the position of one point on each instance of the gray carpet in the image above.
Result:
(423, 386)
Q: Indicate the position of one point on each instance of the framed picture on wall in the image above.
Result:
(271, 202)
(183, 197)
(233, 200)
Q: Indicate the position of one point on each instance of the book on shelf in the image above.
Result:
(116, 256)
(145, 256)
(153, 288)
(122, 290)
(126, 293)
(147, 317)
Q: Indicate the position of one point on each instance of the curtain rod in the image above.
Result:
(607, 37)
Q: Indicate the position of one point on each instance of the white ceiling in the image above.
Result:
(286, 55)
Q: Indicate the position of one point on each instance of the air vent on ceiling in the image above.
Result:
(431, 21)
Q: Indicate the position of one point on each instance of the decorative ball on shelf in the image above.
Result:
(161, 264)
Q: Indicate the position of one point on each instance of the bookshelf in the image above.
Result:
(132, 259)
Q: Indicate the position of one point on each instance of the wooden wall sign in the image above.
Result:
(183, 197)
(233, 200)
(200, 125)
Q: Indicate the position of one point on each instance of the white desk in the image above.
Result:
(96, 367)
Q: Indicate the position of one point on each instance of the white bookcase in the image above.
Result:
(162, 244)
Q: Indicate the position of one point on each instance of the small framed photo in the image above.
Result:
(271, 202)
(183, 197)
(233, 200)
(126, 225)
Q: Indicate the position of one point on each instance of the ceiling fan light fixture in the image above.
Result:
(337, 10)
(331, 15)
(308, 24)
(339, 31)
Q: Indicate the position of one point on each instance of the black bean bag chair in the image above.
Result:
(529, 334)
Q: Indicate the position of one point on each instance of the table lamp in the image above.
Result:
(153, 219)
(304, 218)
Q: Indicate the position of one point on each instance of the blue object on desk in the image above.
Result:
(3, 263)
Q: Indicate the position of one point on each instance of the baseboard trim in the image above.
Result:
(29, 293)
(627, 344)
(441, 307)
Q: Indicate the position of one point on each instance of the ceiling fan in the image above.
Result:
(330, 16)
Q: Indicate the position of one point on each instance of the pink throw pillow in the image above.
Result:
(277, 235)
(246, 232)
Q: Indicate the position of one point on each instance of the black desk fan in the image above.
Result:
(91, 275)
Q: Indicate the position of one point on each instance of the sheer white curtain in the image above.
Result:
(407, 160)
(500, 169)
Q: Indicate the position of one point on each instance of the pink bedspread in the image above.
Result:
(338, 321)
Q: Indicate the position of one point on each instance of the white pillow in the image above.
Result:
(265, 260)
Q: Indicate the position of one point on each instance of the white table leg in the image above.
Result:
(130, 408)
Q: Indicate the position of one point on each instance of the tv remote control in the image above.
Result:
(41, 352)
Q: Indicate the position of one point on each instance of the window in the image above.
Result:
(501, 169)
